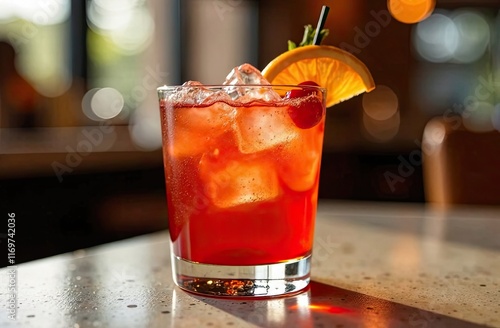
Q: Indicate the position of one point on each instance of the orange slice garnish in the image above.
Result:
(338, 71)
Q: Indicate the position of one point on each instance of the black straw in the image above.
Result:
(321, 24)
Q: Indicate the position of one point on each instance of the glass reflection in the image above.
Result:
(318, 306)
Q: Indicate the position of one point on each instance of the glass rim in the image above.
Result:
(222, 86)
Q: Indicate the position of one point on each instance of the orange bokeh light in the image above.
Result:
(411, 11)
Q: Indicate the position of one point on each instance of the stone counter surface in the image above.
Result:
(374, 265)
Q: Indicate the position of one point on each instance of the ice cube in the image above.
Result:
(197, 95)
(299, 166)
(189, 96)
(193, 130)
(259, 128)
(231, 180)
(244, 75)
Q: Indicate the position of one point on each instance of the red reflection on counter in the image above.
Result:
(324, 308)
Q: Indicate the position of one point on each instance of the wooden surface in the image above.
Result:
(374, 265)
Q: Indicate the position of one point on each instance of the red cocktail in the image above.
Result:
(242, 170)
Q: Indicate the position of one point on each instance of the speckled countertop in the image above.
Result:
(444, 261)
(374, 265)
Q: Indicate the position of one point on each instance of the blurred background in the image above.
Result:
(80, 157)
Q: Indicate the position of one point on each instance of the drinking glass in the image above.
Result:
(242, 171)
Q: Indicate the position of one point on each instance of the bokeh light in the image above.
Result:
(474, 36)
(131, 39)
(381, 118)
(479, 118)
(434, 133)
(8, 11)
(410, 11)
(86, 104)
(109, 15)
(145, 130)
(38, 29)
(45, 63)
(102, 103)
(461, 37)
(380, 104)
(436, 38)
(39, 12)
(107, 103)
(119, 21)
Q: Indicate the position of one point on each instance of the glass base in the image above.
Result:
(242, 281)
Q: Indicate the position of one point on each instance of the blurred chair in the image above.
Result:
(460, 166)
